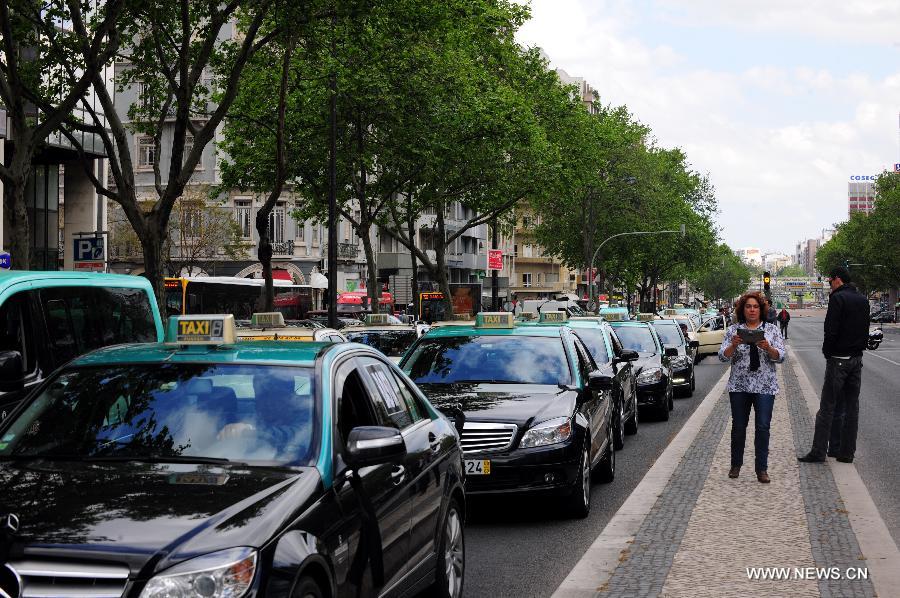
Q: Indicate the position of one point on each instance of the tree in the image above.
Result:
(186, 58)
(791, 270)
(725, 278)
(51, 53)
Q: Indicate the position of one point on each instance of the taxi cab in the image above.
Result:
(385, 333)
(270, 326)
(204, 466)
(614, 314)
(653, 369)
(613, 360)
(538, 411)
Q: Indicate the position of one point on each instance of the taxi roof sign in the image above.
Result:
(201, 330)
(272, 319)
(526, 316)
(645, 317)
(495, 319)
(554, 316)
(377, 319)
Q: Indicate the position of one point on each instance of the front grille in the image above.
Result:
(64, 579)
(480, 437)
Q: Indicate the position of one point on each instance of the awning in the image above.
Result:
(279, 274)
(318, 281)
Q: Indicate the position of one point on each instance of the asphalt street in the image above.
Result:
(524, 547)
(878, 442)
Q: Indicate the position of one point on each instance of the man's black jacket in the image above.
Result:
(846, 323)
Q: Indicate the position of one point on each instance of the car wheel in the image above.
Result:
(451, 566)
(578, 503)
(308, 588)
(699, 358)
(671, 399)
(631, 426)
(663, 409)
(606, 471)
(693, 381)
(619, 429)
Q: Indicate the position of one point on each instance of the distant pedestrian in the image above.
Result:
(752, 382)
(846, 335)
(771, 316)
(783, 318)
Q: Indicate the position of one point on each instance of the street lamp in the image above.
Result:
(680, 230)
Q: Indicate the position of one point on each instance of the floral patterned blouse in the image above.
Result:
(761, 381)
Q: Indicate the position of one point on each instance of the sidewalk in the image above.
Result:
(689, 530)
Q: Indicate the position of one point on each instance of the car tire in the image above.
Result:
(307, 588)
(578, 503)
(671, 398)
(663, 409)
(451, 566)
(693, 382)
(698, 359)
(631, 426)
(606, 470)
(619, 429)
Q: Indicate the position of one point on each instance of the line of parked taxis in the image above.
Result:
(212, 462)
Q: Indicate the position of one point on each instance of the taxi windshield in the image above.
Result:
(669, 334)
(489, 359)
(172, 412)
(393, 343)
(636, 338)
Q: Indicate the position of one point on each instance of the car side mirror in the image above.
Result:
(374, 445)
(694, 344)
(599, 382)
(459, 418)
(11, 379)
(671, 352)
(629, 355)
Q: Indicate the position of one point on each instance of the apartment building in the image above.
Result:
(537, 275)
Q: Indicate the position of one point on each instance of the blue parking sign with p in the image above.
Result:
(89, 249)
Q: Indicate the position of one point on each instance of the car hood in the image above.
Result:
(646, 361)
(521, 404)
(145, 515)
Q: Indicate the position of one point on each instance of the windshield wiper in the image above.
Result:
(163, 459)
(493, 381)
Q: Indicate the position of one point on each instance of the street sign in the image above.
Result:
(90, 266)
(5, 261)
(495, 259)
(896, 167)
(89, 249)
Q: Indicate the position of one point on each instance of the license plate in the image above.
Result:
(478, 466)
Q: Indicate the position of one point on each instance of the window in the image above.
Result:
(315, 234)
(526, 250)
(276, 224)
(354, 407)
(526, 279)
(188, 148)
(143, 95)
(242, 210)
(595, 343)
(15, 330)
(390, 404)
(300, 231)
(586, 365)
(146, 153)
(192, 220)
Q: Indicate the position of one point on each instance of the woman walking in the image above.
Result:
(752, 382)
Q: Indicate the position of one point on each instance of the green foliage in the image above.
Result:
(792, 270)
(726, 276)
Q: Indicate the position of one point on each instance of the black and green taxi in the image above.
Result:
(652, 369)
(538, 411)
(208, 467)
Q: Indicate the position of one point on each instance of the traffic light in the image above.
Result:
(767, 279)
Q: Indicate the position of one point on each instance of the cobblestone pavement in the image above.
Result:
(706, 530)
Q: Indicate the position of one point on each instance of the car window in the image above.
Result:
(616, 343)
(245, 413)
(593, 339)
(16, 331)
(637, 338)
(354, 406)
(510, 359)
(718, 324)
(393, 343)
(669, 334)
(586, 365)
(391, 406)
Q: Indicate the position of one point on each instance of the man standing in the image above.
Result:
(783, 318)
(846, 333)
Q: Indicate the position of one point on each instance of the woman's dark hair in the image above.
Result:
(760, 300)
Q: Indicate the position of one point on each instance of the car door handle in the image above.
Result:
(398, 474)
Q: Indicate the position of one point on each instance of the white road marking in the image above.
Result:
(884, 358)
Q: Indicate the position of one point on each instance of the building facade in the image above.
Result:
(861, 194)
(537, 275)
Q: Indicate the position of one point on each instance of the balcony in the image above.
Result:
(535, 259)
(545, 287)
(283, 248)
(345, 251)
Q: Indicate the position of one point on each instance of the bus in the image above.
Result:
(233, 295)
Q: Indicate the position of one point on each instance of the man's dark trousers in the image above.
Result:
(842, 381)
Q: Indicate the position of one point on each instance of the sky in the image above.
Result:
(780, 102)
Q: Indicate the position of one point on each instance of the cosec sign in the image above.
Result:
(863, 177)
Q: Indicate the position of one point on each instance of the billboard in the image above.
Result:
(495, 259)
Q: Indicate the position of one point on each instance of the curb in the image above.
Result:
(875, 541)
(600, 560)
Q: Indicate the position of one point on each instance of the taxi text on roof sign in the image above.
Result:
(274, 319)
(201, 330)
(497, 319)
(377, 319)
(554, 316)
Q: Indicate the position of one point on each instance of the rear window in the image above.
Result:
(489, 359)
(393, 343)
(81, 319)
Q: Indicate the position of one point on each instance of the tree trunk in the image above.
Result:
(374, 290)
(20, 227)
(152, 247)
(440, 251)
(414, 283)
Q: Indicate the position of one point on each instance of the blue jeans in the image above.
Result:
(740, 416)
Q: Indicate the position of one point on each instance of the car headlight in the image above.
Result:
(224, 574)
(650, 376)
(682, 361)
(549, 432)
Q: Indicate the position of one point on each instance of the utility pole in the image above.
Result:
(332, 187)
(495, 292)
